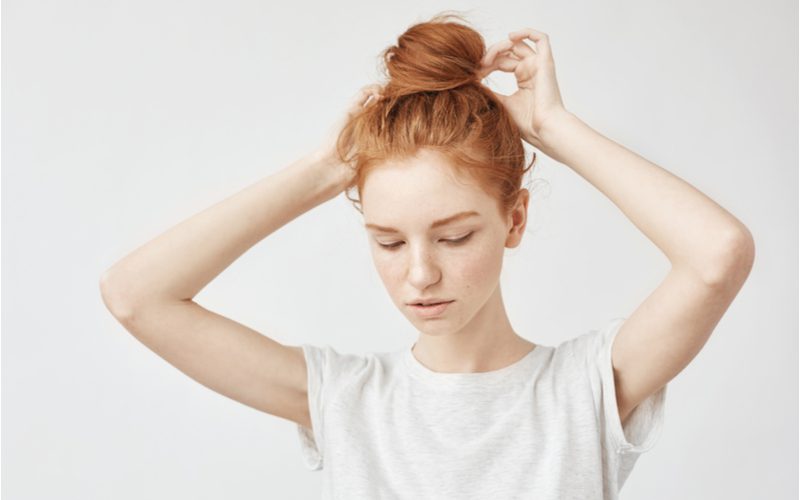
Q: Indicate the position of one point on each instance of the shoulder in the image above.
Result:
(582, 356)
(588, 346)
(335, 366)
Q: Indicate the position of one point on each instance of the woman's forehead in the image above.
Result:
(412, 171)
(393, 186)
(416, 204)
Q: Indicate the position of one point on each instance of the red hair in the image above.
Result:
(434, 99)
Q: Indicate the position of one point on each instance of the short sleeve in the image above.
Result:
(312, 440)
(643, 426)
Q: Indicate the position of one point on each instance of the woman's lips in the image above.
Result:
(430, 311)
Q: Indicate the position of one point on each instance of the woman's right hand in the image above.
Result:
(326, 153)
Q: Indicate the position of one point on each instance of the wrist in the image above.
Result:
(553, 131)
(328, 176)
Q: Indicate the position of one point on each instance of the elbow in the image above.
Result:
(113, 298)
(732, 264)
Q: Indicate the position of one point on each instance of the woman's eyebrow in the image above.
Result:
(438, 223)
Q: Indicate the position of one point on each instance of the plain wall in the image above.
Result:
(121, 119)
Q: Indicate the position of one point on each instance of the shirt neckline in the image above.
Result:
(508, 374)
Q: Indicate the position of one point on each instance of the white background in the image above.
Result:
(121, 118)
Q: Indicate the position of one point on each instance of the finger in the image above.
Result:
(503, 61)
(507, 62)
(364, 94)
(489, 61)
(367, 91)
(522, 50)
(541, 40)
(495, 49)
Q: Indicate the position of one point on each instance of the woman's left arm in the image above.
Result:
(711, 251)
(693, 231)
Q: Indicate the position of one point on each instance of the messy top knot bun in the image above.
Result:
(433, 56)
(434, 99)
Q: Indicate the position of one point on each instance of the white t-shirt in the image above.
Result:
(546, 427)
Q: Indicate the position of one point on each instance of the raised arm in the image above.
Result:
(150, 293)
(710, 250)
(151, 290)
(180, 262)
(177, 264)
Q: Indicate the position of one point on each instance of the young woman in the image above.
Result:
(472, 409)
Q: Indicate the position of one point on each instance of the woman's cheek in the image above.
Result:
(481, 266)
(389, 270)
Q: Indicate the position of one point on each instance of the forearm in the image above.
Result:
(177, 264)
(691, 229)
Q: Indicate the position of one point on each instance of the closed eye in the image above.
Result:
(457, 241)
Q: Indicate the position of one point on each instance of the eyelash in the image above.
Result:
(455, 242)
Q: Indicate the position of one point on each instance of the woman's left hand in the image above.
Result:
(537, 99)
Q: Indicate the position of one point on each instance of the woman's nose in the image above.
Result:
(423, 269)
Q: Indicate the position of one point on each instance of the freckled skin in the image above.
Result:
(474, 333)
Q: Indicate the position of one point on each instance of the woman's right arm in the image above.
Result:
(179, 263)
(150, 291)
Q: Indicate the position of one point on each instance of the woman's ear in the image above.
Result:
(517, 219)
